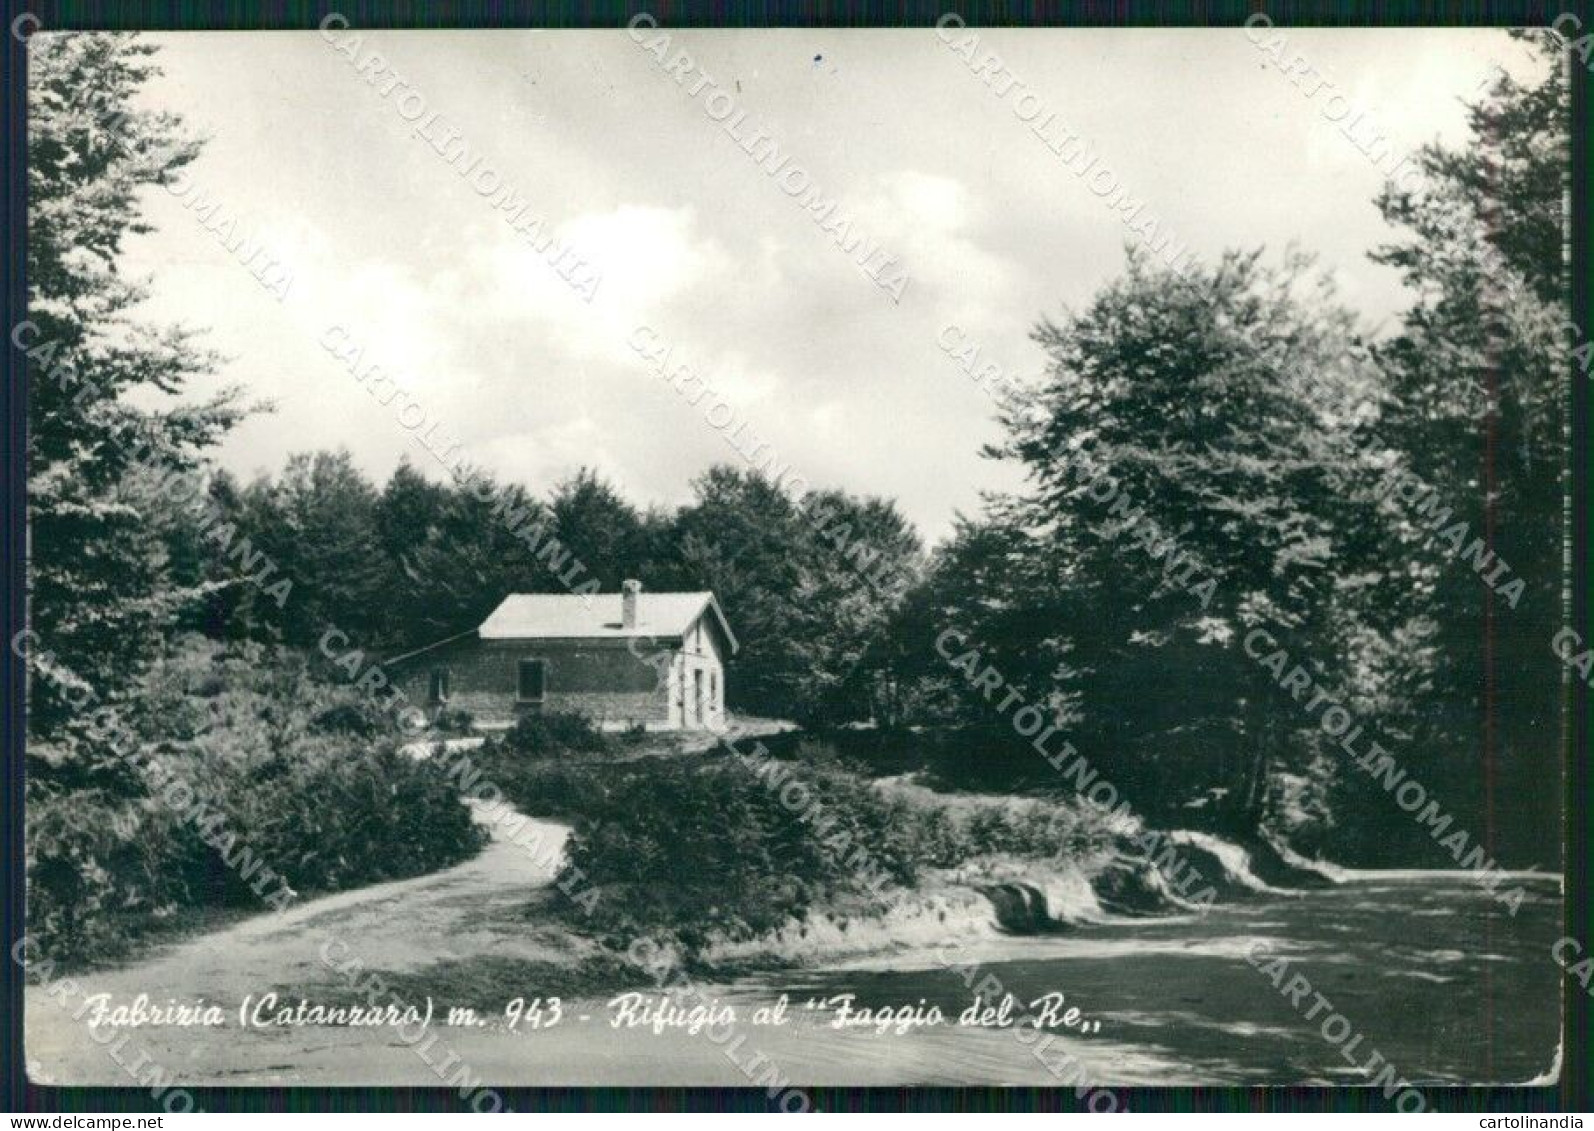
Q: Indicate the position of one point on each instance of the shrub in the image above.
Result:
(345, 718)
(938, 841)
(696, 847)
(245, 757)
(542, 787)
(94, 861)
(454, 720)
(328, 815)
(691, 849)
(1029, 831)
(554, 734)
(528, 762)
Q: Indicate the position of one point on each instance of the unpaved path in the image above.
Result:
(478, 908)
(489, 908)
(1450, 988)
(485, 909)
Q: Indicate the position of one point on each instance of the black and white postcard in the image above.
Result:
(799, 558)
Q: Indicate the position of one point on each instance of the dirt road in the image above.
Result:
(486, 906)
(1178, 998)
(430, 933)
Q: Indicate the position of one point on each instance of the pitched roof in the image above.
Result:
(531, 616)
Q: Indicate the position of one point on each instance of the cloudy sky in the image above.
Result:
(383, 238)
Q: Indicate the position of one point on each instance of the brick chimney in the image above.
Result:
(630, 590)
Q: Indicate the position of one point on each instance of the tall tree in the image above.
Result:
(860, 557)
(487, 541)
(603, 530)
(100, 593)
(736, 538)
(808, 584)
(1479, 373)
(986, 589)
(320, 527)
(1191, 462)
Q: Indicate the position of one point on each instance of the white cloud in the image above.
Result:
(694, 239)
(645, 256)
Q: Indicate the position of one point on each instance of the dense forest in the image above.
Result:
(1240, 505)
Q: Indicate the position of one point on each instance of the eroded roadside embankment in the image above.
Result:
(1135, 874)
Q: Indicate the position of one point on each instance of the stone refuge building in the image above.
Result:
(622, 659)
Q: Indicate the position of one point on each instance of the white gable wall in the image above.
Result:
(697, 681)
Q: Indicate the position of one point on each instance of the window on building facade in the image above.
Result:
(533, 680)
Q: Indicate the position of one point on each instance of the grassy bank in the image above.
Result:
(727, 860)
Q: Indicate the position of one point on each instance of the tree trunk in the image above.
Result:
(1256, 802)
